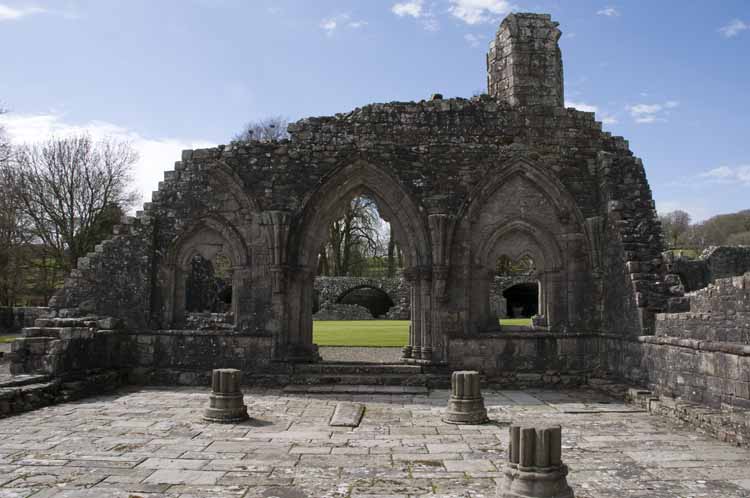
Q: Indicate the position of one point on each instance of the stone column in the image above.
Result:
(276, 228)
(466, 405)
(425, 286)
(535, 468)
(414, 349)
(225, 403)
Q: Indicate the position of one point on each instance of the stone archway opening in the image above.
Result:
(522, 300)
(377, 301)
(359, 243)
(208, 293)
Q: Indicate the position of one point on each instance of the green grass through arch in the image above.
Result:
(372, 332)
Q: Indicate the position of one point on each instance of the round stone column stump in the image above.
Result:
(466, 405)
(226, 403)
(535, 468)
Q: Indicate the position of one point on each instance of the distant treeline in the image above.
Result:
(722, 230)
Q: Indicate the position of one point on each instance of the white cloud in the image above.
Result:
(605, 117)
(651, 113)
(581, 106)
(473, 40)
(417, 10)
(733, 28)
(156, 155)
(331, 24)
(480, 11)
(413, 9)
(8, 13)
(609, 12)
(697, 211)
(729, 174)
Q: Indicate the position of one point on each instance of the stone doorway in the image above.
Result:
(522, 300)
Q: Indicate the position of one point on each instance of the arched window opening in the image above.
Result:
(508, 267)
(522, 300)
(360, 244)
(208, 292)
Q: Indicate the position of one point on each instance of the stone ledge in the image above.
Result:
(21, 398)
(711, 346)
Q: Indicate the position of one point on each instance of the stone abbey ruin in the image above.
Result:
(462, 182)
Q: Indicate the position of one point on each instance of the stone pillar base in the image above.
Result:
(226, 402)
(535, 468)
(466, 405)
(535, 483)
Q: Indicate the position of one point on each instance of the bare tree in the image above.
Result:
(4, 141)
(264, 130)
(353, 240)
(67, 187)
(675, 225)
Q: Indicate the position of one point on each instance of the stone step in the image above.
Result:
(356, 389)
(66, 322)
(357, 368)
(361, 379)
(12, 381)
(52, 332)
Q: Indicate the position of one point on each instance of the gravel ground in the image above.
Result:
(360, 354)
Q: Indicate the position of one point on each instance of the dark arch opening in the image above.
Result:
(377, 301)
(522, 300)
(208, 288)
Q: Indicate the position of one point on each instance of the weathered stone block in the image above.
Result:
(226, 400)
(466, 405)
(535, 468)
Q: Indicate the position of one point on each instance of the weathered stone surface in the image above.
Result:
(226, 402)
(332, 311)
(466, 405)
(535, 468)
(347, 415)
(462, 182)
(144, 443)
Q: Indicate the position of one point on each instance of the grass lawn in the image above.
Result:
(372, 332)
(7, 338)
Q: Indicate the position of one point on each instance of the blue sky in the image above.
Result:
(670, 76)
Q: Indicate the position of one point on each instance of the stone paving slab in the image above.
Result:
(153, 443)
(347, 414)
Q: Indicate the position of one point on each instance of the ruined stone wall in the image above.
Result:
(702, 355)
(187, 357)
(719, 312)
(531, 358)
(114, 280)
(715, 262)
(440, 171)
(331, 289)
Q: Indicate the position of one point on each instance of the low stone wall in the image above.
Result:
(714, 263)
(26, 397)
(187, 357)
(342, 312)
(529, 358)
(711, 373)
(718, 313)
(13, 320)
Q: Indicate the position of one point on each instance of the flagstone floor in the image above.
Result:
(152, 442)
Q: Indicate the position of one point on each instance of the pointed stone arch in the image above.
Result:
(360, 178)
(519, 208)
(309, 232)
(206, 237)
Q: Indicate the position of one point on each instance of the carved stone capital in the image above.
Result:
(276, 226)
